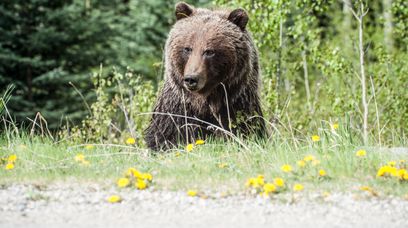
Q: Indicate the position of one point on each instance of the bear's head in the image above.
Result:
(206, 48)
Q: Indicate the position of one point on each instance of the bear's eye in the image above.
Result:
(209, 53)
(187, 50)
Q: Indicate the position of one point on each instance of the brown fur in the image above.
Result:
(215, 49)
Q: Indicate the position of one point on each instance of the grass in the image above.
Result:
(216, 165)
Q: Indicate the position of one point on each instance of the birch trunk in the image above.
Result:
(388, 27)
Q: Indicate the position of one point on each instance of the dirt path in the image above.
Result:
(85, 206)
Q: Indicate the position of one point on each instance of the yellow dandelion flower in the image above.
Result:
(279, 182)
(366, 188)
(250, 182)
(136, 174)
(255, 182)
(286, 168)
(129, 172)
(192, 193)
(369, 190)
(12, 158)
(405, 177)
(301, 163)
(130, 141)
(322, 173)
(178, 154)
(315, 138)
(123, 182)
(132, 172)
(199, 142)
(361, 153)
(401, 173)
(387, 170)
(269, 188)
(114, 199)
(9, 166)
(382, 171)
(222, 165)
(298, 187)
(259, 181)
(140, 184)
(392, 163)
(309, 158)
(393, 171)
(335, 126)
(189, 147)
(89, 147)
(315, 162)
(79, 157)
(147, 176)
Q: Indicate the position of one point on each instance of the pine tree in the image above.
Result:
(49, 46)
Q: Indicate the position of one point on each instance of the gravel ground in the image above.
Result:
(63, 205)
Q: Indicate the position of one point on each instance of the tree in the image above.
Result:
(47, 47)
(44, 46)
(332, 66)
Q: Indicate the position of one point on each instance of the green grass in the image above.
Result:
(42, 160)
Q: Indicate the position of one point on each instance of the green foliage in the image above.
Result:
(119, 110)
(400, 12)
(310, 62)
(48, 47)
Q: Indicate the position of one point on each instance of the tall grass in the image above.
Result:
(5, 97)
(218, 165)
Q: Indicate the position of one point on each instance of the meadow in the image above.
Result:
(327, 163)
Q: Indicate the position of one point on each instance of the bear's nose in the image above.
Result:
(191, 81)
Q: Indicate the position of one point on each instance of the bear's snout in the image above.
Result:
(191, 82)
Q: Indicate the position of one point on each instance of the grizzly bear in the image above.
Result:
(211, 79)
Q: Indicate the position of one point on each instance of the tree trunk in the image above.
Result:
(363, 77)
(387, 13)
(279, 66)
(359, 16)
(346, 26)
(306, 78)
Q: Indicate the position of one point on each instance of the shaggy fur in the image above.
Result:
(215, 48)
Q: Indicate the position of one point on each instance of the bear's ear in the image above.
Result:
(239, 17)
(183, 10)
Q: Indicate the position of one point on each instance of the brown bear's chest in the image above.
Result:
(202, 106)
